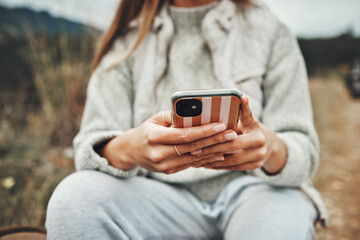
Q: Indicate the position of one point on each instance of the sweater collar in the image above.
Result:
(223, 14)
(189, 18)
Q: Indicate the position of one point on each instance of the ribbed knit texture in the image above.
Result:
(249, 49)
(189, 68)
(110, 103)
(189, 60)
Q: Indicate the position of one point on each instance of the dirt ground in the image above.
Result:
(337, 119)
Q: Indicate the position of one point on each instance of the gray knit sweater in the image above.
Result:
(227, 47)
(189, 59)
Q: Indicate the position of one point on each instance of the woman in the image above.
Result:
(153, 181)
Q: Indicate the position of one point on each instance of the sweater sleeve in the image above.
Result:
(107, 114)
(288, 111)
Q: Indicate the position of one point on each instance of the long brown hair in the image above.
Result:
(127, 11)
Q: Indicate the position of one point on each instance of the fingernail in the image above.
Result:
(246, 98)
(221, 158)
(230, 136)
(195, 152)
(220, 127)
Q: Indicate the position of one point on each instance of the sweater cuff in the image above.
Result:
(296, 168)
(88, 159)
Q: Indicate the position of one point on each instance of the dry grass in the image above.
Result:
(32, 141)
(60, 70)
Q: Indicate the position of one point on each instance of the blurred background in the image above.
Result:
(46, 48)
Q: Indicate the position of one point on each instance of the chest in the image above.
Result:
(235, 59)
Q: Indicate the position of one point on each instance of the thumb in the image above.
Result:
(163, 118)
(246, 117)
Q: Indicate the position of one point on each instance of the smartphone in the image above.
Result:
(195, 108)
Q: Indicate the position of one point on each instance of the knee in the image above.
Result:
(278, 213)
(285, 203)
(288, 203)
(78, 196)
(84, 201)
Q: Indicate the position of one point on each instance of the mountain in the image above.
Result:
(20, 21)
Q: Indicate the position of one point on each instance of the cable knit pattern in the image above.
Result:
(216, 46)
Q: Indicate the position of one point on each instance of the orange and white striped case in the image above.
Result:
(220, 105)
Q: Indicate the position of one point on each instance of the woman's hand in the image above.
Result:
(151, 145)
(256, 146)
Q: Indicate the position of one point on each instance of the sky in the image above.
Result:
(306, 18)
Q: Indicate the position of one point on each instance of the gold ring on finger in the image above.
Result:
(177, 151)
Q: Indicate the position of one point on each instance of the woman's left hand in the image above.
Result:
(255, 146)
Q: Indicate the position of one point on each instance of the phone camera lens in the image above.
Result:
(183, 112)
(189, 107)
(183, 104)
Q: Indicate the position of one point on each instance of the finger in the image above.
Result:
(163, 118)
(241, 157)
(245, 166)
(246, 117)
(176, 169)
(240, 128)
(174, 163)
(242, 142)
(166, 135)
(161, 152)
(196, 146)
(200, 163)
(199, 158)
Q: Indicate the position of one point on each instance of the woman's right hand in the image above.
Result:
(151, 145)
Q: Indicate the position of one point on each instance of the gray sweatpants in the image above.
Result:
(94, 205)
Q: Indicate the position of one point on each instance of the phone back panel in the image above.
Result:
(214, 109)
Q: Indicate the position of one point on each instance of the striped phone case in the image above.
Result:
(220, 105)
